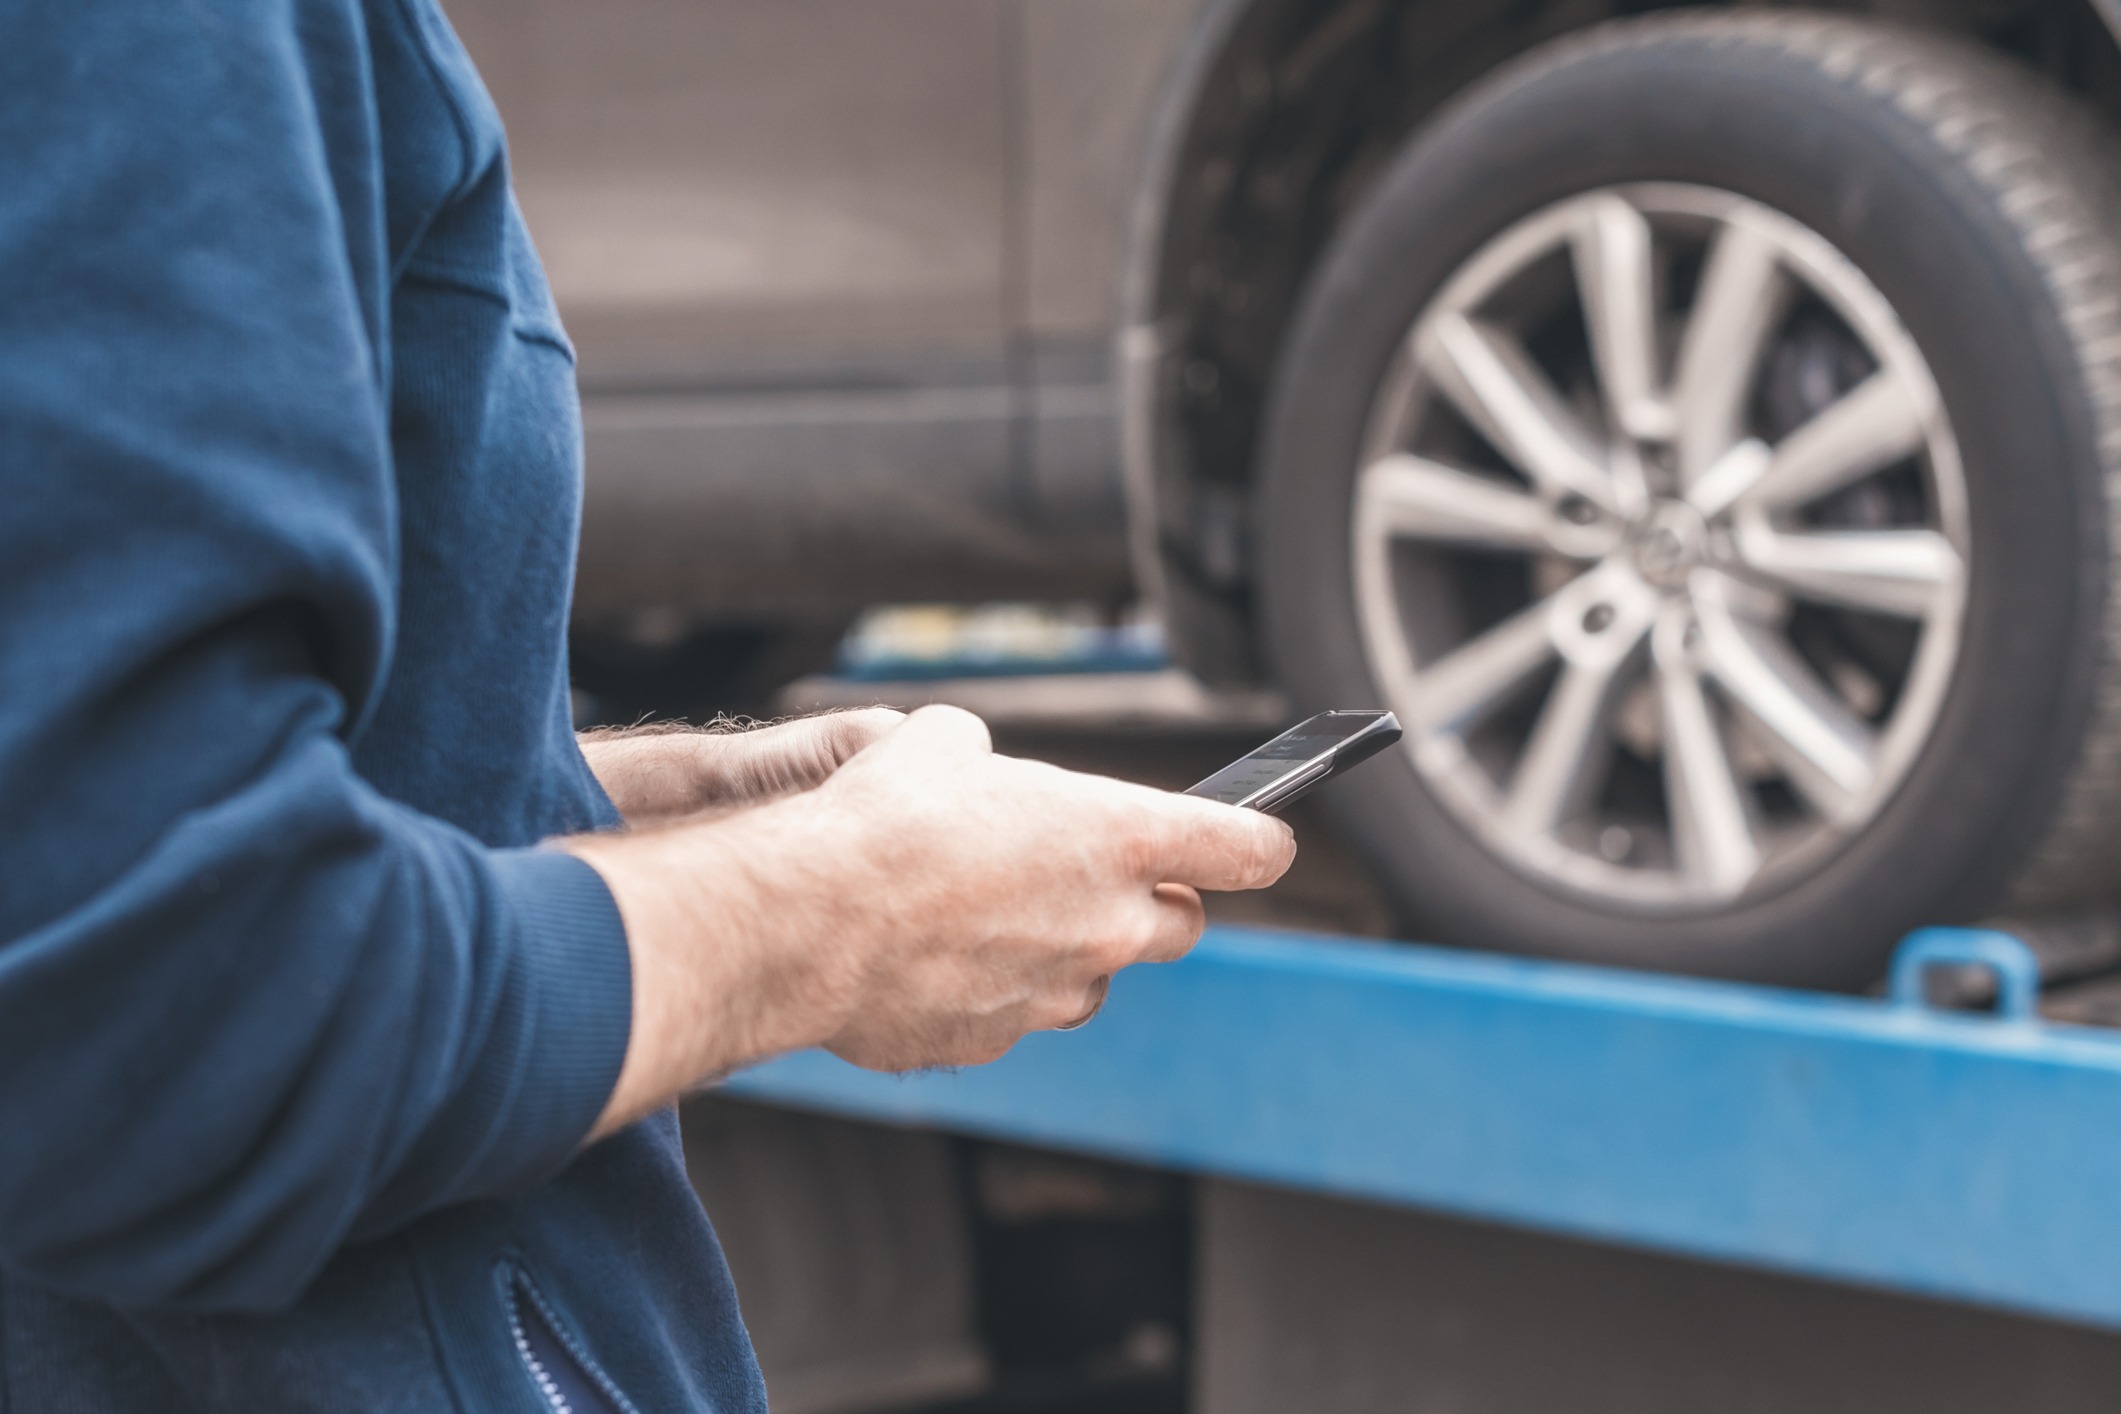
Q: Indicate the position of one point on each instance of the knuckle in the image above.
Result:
(984, 1050)
(1139, 850)
(1061, 1010)
(1121, 948)
(852, 732)
(1179, 940)
(1259, 850)
(961, 723)
(1268, 849)
(1151, 928)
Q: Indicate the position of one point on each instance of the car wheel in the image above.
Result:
(1705, 436)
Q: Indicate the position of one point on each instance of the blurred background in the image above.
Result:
(1705, 437)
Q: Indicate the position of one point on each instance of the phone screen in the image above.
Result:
(1313, 749)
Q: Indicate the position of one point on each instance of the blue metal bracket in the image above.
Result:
(1885, 1143)
(2016, 970)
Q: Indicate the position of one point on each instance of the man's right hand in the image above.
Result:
(929, 904)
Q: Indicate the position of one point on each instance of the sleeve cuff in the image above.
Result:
(573, 988)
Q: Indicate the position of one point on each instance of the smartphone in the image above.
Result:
(1309, 752)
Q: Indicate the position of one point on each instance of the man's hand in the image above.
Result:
(662, 773)
(929, 904)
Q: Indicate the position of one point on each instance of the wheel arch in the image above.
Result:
(1270, 101)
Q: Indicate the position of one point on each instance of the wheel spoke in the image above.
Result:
(1712, 831)
(1871, 427)
(1564, 760)
(1730, 477)
(1743, 294)
(1598, 623)
(1615, 277)
(1472, 680)
(1825, 748)
(1488, 376)
(1905, 573)
(1419, 499)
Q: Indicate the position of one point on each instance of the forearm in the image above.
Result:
(734, 946)
(424, 1022)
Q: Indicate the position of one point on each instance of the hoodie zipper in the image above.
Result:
(547, 1386)
(564, 1379)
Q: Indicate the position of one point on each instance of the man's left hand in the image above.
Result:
(662, 773)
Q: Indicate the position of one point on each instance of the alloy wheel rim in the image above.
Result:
(1661, 546)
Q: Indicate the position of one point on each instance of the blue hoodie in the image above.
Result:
(300, 1033)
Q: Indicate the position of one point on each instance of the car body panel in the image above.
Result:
(1093, 72)
(708, 179)
(842, 276)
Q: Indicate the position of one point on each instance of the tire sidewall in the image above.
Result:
(1766, 124)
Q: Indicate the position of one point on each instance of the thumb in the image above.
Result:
(1214, 846)
(939, 731)
(847, 734)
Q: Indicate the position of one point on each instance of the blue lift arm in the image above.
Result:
(1976, 1158)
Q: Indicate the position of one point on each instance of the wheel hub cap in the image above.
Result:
(1672, 541)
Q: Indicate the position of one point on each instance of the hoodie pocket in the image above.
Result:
(566, 1379)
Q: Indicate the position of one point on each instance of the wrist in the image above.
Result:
(738, 945)
(796, 865)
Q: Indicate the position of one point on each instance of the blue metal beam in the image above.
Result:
(1885, 1144)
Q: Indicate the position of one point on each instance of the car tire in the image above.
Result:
(1949, 226)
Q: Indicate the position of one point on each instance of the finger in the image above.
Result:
(937, 728)
(1093, 1002)
(899, 1050)
(1214, 846)
(1180, 919)
(850, 732)
(912, 1035)
(787, 756)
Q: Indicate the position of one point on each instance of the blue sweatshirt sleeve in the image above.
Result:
(250, 1008)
